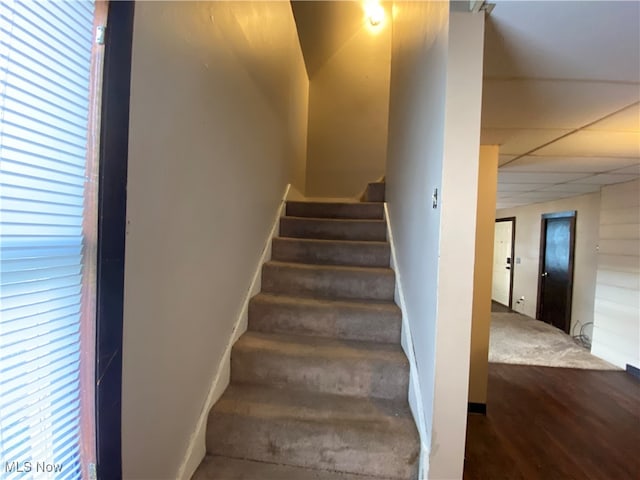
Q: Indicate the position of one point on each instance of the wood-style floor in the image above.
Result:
(556, 423)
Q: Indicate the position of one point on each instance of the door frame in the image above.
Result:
(112, 203)
(513, 251)
(572, 215)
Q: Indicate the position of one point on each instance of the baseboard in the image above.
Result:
(415, 394)
(480, 408)
(196, 449)
(633, 371)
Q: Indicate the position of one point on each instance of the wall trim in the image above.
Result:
(415, 394)
(196, 448)
(111, 240)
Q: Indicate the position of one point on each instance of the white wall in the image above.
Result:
(348, 115)
(217, 129)
(457, 246)
(434, 131)
(527, 249)
(616, 334)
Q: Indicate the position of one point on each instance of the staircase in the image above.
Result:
(319, 381)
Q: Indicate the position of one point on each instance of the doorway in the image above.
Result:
(503, 255)
(555, 279)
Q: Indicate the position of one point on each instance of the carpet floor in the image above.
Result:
(518, 339)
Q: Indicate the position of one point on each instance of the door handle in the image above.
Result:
(508, 267)
(545, 274)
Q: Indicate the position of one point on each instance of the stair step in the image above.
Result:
(365, 321)
(333, 229)
(335, 210)
(375, 192)
(324, 281)
(322, 365)
(328, 432)
(331, 252)
(226, 468)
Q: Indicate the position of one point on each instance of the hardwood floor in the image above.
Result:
(556, 423)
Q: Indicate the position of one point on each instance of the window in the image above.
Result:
(47, 238)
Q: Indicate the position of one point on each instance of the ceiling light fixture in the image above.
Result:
(374, 13)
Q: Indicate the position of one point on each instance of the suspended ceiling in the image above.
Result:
(561, 92)
(561, 97)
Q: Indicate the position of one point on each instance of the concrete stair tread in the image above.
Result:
(382, 416)
(306, 345)
(373, 305)
(215, 467)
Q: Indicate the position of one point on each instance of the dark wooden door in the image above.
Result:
(556, 269)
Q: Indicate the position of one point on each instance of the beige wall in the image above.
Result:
(216, 132)
(434, 133)
(616, 333)
(527, 249)
(481, 321)
(348, 115)
(457, 247)
(416, 133)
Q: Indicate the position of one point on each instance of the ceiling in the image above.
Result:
(561, 97)
(561, 93)
(323, 27)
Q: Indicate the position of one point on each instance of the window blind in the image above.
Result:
(45, 60)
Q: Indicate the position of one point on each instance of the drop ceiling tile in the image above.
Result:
(606, 179)
(514, 141)
(595, 143)
(627, 120)
(572, 188)
(583, 40)
(510, 204)
(540, 195)
(535, 163)
(527, 103)
(630, 170)
(519, 187)
(537, 177)
(504, 195)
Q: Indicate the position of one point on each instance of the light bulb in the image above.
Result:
(374, 13)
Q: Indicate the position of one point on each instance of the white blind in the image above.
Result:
(45, 58)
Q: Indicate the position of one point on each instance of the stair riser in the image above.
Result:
(321, 374)
(373, 255)
(332, 230)
(336, 322)
(335, 284)
(375, 192)
(315, 444)
(335, 210)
